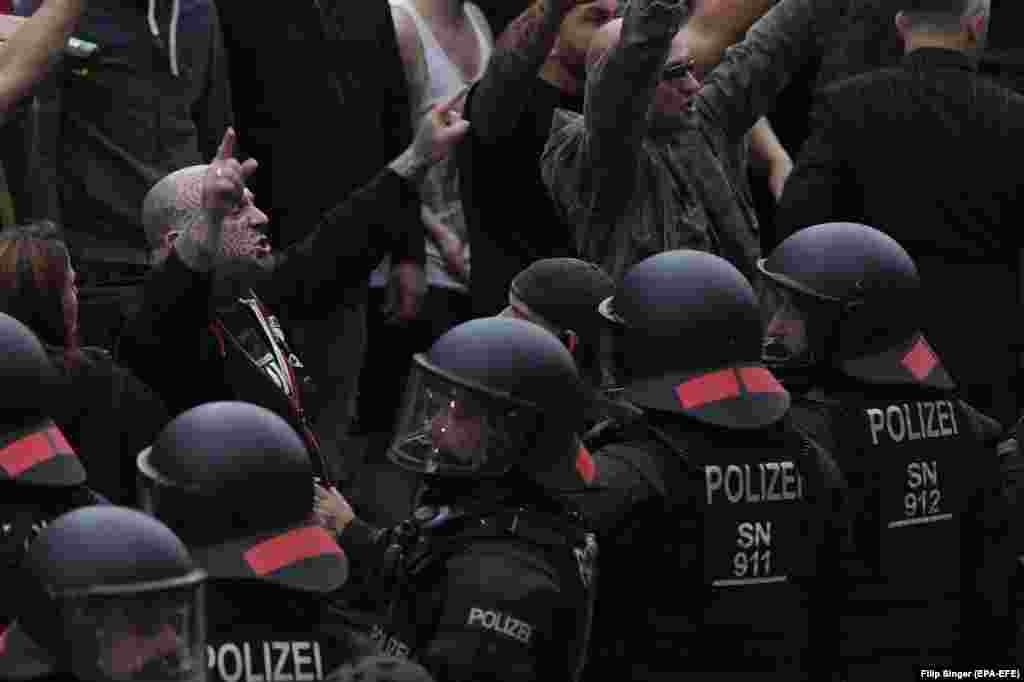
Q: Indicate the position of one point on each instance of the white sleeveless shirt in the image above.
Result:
(440, 188)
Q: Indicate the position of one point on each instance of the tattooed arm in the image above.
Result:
(500, 97)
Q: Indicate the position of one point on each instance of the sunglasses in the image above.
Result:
(678, 69)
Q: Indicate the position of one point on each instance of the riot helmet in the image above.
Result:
(846, 295)
(687, 330)
(113, 595)
(32, 448)
(492, 396)
(234, 480)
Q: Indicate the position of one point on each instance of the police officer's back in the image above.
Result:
(715, 515)
(234, 481)
(41, 477)
(111, 595)
(927, 564)
(492, 579)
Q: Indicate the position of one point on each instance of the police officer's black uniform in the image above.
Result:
(493, 578)
(41, 477)
(111, 594)
(716, 516)
(924, 505)
(234, 481)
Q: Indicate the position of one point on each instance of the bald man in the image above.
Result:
(206, 330)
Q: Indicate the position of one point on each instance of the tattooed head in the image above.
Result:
(174, 205)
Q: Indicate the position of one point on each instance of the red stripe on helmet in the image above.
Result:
(709, 388)
(3, 640)
(34, 449)
(290, 548)
(760, 380)
(585, 465)
(921, 360)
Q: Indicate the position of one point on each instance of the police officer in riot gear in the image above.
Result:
(111, 595)
(841, 302)
(41, 476)
(234, 481)
(493, 577)
(714, 511)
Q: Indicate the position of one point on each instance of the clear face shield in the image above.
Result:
(152, 636)
(450, 429)
(787, 343)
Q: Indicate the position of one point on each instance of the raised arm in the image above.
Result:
(749, 79)
(621, 83)
(717, 24)
(34, 47)
(498, 100)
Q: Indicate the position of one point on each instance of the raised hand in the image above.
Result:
(438, 133)
(441, 129)
(225, 178)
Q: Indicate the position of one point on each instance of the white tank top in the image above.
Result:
(440, 188)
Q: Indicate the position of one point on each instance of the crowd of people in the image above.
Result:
(454, 340)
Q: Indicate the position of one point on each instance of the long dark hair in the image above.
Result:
(34, 265)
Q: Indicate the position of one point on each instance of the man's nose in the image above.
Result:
(258, 217)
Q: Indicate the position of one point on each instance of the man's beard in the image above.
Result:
(234, 277)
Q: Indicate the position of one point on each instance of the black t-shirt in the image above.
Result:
(511, 218)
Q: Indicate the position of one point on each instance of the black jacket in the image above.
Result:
(714, 561)
(898, 612)
(314, 83)
(108, 416)
(499, 590)
(925, 152)
(170, 344)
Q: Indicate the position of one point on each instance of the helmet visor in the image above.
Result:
(787, 339)
(155, 636)
(450, 429)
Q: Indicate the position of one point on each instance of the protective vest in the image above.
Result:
(268, 654)
(422, 549)
(909, 465)
(743, 521)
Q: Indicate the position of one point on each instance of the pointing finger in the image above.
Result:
(227, 145)
(453, 100)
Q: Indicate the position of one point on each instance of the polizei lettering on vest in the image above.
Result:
(913, 421)
(762, 482)
(501, 623)
(266, 662)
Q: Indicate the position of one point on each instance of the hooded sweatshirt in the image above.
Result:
(152, 97)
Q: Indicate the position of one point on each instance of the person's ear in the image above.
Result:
(976, 26)
(902, 25)
(571, 340)
(170, 236)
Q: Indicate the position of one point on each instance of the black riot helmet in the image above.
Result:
(492, 396)
(688, 340)
(112, 595)
(234, 480)
(845, 295)
(32, 449)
